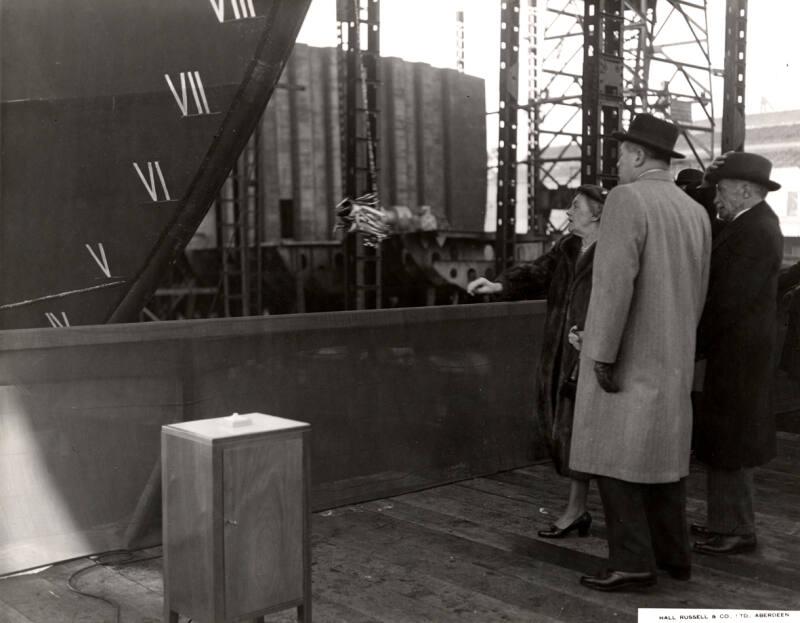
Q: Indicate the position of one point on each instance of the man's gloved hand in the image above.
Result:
(605, 376)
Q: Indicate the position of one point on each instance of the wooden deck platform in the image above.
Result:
(463, 552)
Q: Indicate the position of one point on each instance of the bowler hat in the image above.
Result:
(652, 132)
(741, 165)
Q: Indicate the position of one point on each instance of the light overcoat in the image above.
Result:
(650, 278)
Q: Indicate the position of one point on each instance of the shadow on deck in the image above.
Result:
(467, 552)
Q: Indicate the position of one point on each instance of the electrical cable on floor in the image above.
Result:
(98, 561)
(76, 590)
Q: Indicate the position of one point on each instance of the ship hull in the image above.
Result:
(119, 124)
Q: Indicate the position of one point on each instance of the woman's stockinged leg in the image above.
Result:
(576, 505)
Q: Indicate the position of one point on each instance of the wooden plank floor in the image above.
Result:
(464, 552)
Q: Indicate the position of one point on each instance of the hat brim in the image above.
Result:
(711, 180)
(624, 136)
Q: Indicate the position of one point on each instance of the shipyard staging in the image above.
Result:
(296, 332)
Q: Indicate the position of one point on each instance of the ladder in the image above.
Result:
(238, 223)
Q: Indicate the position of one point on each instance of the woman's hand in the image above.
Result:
(482, 285)
(575, 337)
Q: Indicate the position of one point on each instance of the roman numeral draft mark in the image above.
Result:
(100, 258)
(198, 93)
(55, 321)
(153, 168)
(242, 9)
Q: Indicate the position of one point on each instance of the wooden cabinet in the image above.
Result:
(236, 523)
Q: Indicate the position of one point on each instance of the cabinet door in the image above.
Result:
(263, 524)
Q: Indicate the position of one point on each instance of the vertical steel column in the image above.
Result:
(359, 44)
(602, 100)
(733, 121)
(369, 268)
(507, 144)
(349, 67)
(460, 41)
(255, 218)
(370, 58)
(537, 217)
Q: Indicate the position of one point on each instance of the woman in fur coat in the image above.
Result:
(564, 276)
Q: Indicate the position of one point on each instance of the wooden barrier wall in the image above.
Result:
(398, 400)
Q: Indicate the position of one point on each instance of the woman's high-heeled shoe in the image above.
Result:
(581, 524)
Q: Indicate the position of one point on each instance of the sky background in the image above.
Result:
(424, 30)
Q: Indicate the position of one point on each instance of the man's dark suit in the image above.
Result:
(735, 425)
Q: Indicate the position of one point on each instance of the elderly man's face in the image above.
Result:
(728, 199)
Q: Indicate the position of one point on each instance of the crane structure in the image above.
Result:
(593, 64)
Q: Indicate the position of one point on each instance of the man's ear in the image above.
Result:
(639, 156)
(746, 191)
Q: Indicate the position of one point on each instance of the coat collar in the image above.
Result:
(661, 175)
(579, 262)
(760, 210)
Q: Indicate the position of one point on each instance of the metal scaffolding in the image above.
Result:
(660, 42)
(668, 68)
(239, 290)
(358, 24)
(555, 47)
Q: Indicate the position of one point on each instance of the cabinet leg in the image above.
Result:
(304, 613)
(170, 616)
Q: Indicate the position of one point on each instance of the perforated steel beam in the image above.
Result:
(733, 122)
(602, 90)
(507, 140)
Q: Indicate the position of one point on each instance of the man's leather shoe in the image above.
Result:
(619, 580)
(721, 544)
(676, 572)
(700, 530)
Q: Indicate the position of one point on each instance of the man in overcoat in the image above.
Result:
(735, 425)
(633, 415)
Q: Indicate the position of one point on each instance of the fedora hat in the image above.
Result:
(741, 165)
(652, 132)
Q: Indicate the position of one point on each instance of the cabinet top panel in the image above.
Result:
(236, 425)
